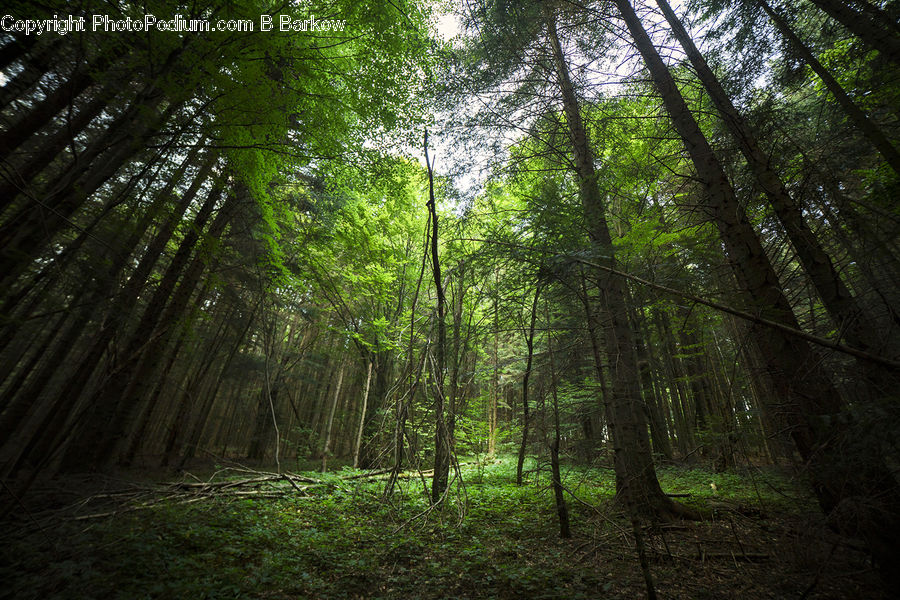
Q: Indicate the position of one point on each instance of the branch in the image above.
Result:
(880, 360)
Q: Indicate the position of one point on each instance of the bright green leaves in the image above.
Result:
(281, 101)
(360, 248)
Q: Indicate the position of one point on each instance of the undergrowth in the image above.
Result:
(492, 539)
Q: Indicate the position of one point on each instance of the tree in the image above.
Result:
(791, 363)
(635, 474)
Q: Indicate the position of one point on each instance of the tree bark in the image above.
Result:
(20, 177)
(18, 46)
(842, 469)
(125, 402)
(24, 237)
(35, 66)
(330, 422)
(636, 480)
(442, 444)
(66, 401)
(362, 416)
(866, 26)
(848, 316)
(659, 436)
(65, 95)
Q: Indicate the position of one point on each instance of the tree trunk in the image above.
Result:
(49, 149)
(442, 444)
(53, 104)
(326, 449)
(659, 436)
(843, 469)
(103, 287)
(34, 67)
(526, 416)
(17, 47)
(866, 26)
(869, 129)
(68, 397)
(192, 438)
(362, 416)
(127, 401)
(562, 509)
(636, 480)
(850, 319)
(24, 237)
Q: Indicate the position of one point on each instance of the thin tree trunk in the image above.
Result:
(526, 416)
(194, 433)
(659, 436)
(326, 449)
(362, 417)
(102, 287)
(53, 433)
(16, 180)
(442, 443)
(562, 509)
(17, 47)
(127, 401)
(850, 319)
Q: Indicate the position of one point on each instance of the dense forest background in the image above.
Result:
(621, 235)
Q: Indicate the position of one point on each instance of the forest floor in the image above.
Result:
(253, 535)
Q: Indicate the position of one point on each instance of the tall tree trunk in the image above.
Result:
(326, 449)
(843, 470)
(676, 378)
(636, 480)
(17, 178)
(593, 334)
(562, 509)
(659, 436)
(121, 309)
(102, 287)
(866, 25)
(191, 439)
(53, 433)
(65, 95)
(856, 327)
(126, 400)
(137, 436)
(495, 379)
(17, 47)
(34, 67)
(362, 416)
(24, 237)
(442, 444)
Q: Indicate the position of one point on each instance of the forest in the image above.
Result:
(450, 299)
